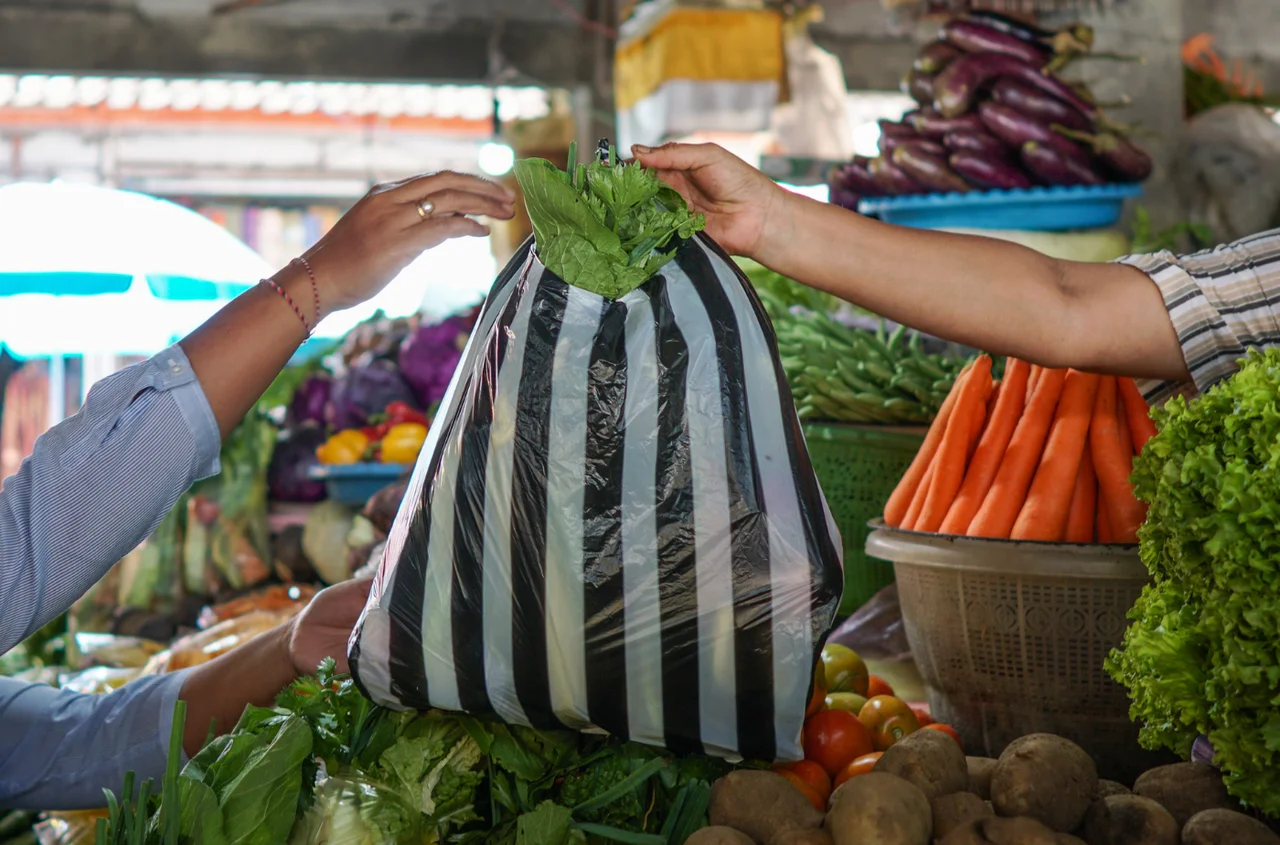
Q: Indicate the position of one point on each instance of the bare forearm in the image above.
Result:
(218, 691)
(982, 292)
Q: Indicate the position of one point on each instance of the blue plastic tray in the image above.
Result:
(355, 484)
(1035, 210)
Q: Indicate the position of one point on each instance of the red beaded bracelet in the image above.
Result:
(315, 287)
(289, 299)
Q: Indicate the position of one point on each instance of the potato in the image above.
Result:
(1129, 820)
(1107, 788)
(997, 831)
(1045, 777)
(760, 804)
(880, 808)
(980, 771)
(802, 837)
(719, 836)
(1217, 826)
(955, 810)
(931, 760)
(1185, 789)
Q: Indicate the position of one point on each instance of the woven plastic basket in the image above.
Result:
(858, 467)
(1010, 639)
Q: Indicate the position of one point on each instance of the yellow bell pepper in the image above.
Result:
(403, 442)
(345, 447)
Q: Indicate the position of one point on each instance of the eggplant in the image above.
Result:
(931, 171)
(1010, 26)
(936, 56)
(855, 179)
(844, 198)
(976, 141)
(1051, 167)
(956, 88)
(930, 124)
(983, 171)
(896, 129)
(891, 180)
(1121, 157)
(889, 143)
(1015, 128)
(975, 37)
(1039, 105)
(920, 87)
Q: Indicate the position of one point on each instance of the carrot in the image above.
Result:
(1113, 465)
(1082, 519)
(1105, 534)
(1122, 428)
(1004, 500)
(917, 501)
(953, 452)
(1141, 427)
(1033, 378)
(991, 448)
(1044, 514)
(895, 510)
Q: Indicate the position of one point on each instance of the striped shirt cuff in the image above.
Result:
(1196, 322)
(175, 376)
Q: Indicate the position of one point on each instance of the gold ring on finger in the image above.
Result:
(425, 208)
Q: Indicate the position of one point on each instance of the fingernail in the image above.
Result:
(640, 149)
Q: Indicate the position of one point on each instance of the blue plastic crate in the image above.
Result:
(355, 484)
(1034, 210)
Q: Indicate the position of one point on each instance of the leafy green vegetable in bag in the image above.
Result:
(1203, 653)
(605, 227)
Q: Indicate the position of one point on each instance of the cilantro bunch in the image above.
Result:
(1203, 653)
(606, 227)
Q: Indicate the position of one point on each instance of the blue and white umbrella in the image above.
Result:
(88, 270)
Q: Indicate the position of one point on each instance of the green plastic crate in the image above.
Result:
(858, 467)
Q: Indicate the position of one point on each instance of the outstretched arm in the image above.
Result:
(982, 292)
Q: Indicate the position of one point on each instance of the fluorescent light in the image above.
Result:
(496, 159)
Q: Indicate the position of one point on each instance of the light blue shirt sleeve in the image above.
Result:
(59, 749)
(97, 485)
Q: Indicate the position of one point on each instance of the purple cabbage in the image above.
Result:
(429, 356)
(310, 399)
(295, 454)
(365, 392)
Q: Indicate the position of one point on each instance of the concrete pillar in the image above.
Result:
(1151, 29)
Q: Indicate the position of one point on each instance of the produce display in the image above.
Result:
(1201, 656)
(1041, 455)
(994, 115)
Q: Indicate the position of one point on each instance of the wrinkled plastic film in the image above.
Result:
(614, 524)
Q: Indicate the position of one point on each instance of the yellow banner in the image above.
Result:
(704, 45)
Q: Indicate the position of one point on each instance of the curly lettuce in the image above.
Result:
(1203, 652)
(605, 227)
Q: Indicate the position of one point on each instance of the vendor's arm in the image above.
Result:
(991, 294)
(59, 749)
(97, 484)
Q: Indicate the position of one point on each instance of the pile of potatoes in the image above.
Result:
(1044, 790)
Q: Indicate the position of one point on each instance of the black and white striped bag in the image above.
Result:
(613, 524)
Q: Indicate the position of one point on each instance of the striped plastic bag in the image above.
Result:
(614, 524)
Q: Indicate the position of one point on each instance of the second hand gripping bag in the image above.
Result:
(614, 524)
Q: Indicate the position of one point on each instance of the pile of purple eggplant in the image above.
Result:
(994, 115)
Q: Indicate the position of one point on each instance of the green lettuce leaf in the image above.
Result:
(550, 824)
(604, 227)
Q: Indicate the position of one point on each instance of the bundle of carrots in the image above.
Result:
(1042, 455)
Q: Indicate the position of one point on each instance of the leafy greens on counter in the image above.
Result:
(1201, 656)
(605, 227)
(328, 766)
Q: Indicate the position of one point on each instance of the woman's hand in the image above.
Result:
(324, 628)
(390, 227)
(746, 211)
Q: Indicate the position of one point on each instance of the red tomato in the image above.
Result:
(944, 729)
(811, 773)
(819, 803)
(833, 738)
(860, 766)
(878, 686)
(922, 714)
(888, 719)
